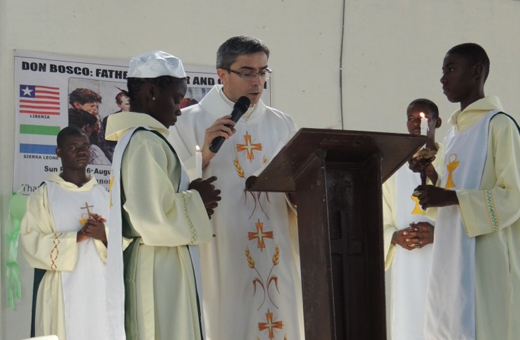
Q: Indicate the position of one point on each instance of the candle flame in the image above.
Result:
(422, 115)
(197, 148)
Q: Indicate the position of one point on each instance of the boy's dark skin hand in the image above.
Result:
(432, 196)
(416, 236)
(94, 228)
(210, 196)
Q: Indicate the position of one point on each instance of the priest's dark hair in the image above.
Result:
(474, 54)
(236, 46)
(428, 104)
(67, 132)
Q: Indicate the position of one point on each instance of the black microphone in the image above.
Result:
(239, 109)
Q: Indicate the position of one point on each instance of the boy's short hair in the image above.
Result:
(83, 96)
(431, 106)
(135, 84)
(67, 132)
(474, 54)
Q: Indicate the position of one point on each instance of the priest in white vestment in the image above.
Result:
(250, 271)
(63, 233)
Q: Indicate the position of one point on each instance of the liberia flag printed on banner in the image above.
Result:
(39, 100)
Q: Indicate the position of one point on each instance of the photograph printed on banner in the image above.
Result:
(90, 104)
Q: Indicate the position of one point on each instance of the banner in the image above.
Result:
(54, 91)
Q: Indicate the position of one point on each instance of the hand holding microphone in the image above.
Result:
(239, 109)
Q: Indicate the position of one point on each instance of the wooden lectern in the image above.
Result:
(337, 177)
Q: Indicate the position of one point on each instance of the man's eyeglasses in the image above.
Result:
(248, 75)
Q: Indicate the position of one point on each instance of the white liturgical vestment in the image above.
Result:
(250, 270)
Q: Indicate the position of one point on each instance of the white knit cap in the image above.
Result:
(155, 64)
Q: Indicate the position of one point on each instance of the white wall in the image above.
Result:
(393, 52)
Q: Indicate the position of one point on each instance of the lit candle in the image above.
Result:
(424, 124)
(198, 162)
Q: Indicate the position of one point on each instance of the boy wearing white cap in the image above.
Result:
(153, 203)
(250, 270)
